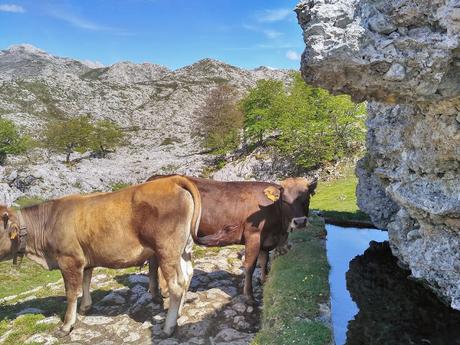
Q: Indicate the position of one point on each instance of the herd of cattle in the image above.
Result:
(157, 221)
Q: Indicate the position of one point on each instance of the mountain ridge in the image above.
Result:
(36, 87)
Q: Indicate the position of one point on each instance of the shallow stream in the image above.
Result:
(373, 300)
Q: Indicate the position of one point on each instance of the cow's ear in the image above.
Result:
(312, 186)
(272, 193)
(5, 218)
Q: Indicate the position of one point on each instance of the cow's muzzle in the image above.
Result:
(299, 222)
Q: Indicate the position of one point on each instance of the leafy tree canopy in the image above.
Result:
(11, 141)
(80, 135)
(220, 120)
(310, 124)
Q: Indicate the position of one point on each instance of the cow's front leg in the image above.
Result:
(263, 263)
(153, 281)
(252, 249)
(72, 272)
(86, 300)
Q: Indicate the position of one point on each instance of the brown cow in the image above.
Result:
(256, 214)
(115, 230)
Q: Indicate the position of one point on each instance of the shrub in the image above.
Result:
(11, 141)
(68, 136)
(80, 135)
(106, 136)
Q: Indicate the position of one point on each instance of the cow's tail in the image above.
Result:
(193, 190)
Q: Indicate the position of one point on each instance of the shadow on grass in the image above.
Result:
(343, 215)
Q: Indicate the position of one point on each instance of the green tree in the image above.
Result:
(80, 135)
(106, 136)
(312, 126)
(11, 141)
(260, 108)
(220, 120)
(68, 136)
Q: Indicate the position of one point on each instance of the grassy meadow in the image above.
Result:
(295, 290)
(337, 198)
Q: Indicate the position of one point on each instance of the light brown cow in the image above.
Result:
(115, 230)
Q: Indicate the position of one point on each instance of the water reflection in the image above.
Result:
(394, 310)
(343, 244)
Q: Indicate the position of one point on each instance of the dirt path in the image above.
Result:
(214, 313)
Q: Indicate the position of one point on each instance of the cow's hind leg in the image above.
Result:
(187, 270)
(263, 263)
(72, 272)
(86, 300)
(153, 281)
(176, 287)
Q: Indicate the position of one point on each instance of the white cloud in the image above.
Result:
(78, 21)
(271, 34)
(11, 8)
(293, 55)
(276, 15)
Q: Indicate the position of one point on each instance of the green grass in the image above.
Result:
(30, 276)
(50, 301)
(200, 252)
(337, 198)
(297, 284)
(23, 327)
(119, 186)
(25, 201)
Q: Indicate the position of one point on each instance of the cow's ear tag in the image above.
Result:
(13, 234)
(272, 193)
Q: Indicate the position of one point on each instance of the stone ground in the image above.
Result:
(215, 313)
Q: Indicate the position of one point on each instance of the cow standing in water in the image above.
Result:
(256, 214)
(114, 230)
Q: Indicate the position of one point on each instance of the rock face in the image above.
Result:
(156, 105)
(404, 58)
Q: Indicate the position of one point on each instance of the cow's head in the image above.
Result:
(9, 233)
(296, 201)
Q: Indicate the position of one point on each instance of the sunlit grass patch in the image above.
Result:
(17, 331)
(297, 285)
(337, 198)
(28, 277)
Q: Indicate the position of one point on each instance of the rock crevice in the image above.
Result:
(403, 57)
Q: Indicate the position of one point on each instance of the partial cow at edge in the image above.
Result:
(256, 214)
(115, 230)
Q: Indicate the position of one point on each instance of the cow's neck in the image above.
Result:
(35, 219)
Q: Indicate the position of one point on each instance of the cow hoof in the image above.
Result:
(84, 310)
(249, 300)
(166, 333)
(60, 333)
(157, 300)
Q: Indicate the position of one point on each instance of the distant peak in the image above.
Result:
(26, 48)
(209, 61)
(265, 68)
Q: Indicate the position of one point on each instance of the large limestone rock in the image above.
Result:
(404, 58)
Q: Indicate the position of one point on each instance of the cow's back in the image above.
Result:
(108, 229)
(232, 207)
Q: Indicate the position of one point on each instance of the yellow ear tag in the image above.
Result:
(13, 234)
(272, 193)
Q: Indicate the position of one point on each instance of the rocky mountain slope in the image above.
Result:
(404, 57)
(156, 103)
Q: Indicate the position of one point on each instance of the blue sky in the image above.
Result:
(174, 33)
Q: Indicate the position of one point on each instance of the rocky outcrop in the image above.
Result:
(404, 58)
(155, 105)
